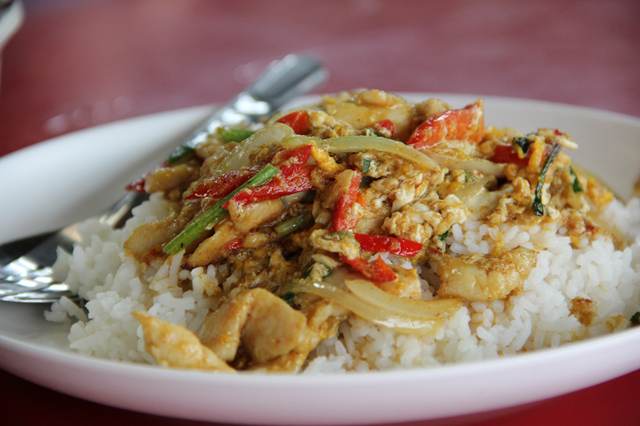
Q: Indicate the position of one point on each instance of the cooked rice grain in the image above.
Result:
(538, 317)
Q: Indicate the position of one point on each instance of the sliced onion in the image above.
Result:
(298, 140)
(369, 312)
(469, 190)
(240, 155)
(376, 143)
(485, 166)
(419, 309)
(485, 202)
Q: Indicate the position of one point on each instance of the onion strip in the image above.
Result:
(485, 166)
(399, 323)
(240, 155)
(413, 308)
(376, 143)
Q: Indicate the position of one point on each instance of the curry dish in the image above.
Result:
(337, 210)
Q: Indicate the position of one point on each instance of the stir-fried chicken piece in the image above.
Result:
(172, 345)
(149, 237)
(249, 216)
(210, 250)
(482, 278)
(304, 226)
(406, 285)
(171, 177)
(261, 322)
(368, 107)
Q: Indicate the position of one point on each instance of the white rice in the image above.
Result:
(538, 317)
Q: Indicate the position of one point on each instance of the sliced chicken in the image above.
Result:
(482, 278)
(172, 345)
(265, 325)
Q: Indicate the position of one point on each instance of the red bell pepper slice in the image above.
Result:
(277, 187)
(292, 160)
(376, 271)
(506, 154)
(455, 124)
(234, 244)
(294, 177)
(342, 220)
(385, 124)
(222, 185)
(137, 185)
(298, 121)
(393, 245)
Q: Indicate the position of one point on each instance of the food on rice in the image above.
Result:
(362, 233)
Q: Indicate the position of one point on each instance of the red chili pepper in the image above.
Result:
(294, 177)
(381, 243)
(376, 271)
(234, 244)
(292, 160)
(342, 220)
(222, 185)
(385, 124)
(137, 185)
(298, 121)
(506, 154)
(277, 187)
(455, 124)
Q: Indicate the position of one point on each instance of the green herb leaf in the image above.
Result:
(577, 186)
(366, 181)
(371, 131)
(288, 297)
(366, 165)
(212, 216)
(635, 318)
(538, 207)
(521, 145)
(307, 273)
(443, 237)
(469, 177)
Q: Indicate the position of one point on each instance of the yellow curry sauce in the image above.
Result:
(315, 217)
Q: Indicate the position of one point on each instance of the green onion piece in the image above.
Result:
(229, 134)
(443, 237)
(577, 186)
(180, 152)
(212, 216)
(292, 225)
(635, 318)
(538, 207)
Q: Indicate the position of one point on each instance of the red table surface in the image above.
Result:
(76, 64)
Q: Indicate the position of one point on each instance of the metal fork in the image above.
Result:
(29, 278)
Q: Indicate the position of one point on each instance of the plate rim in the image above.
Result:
(626, 337)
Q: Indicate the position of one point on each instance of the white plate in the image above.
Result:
(73, 176)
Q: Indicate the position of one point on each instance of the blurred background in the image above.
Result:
(81, 63)
(75, 64)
